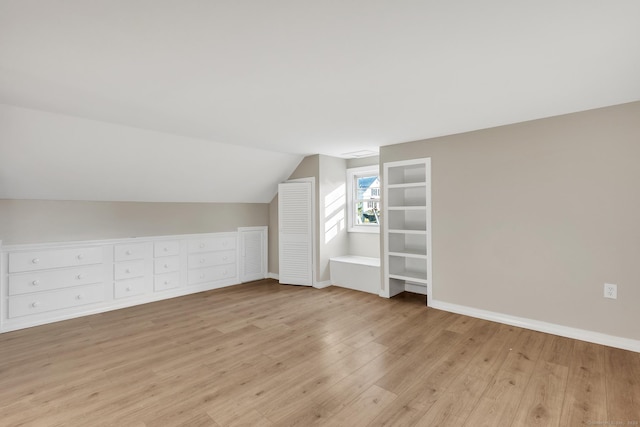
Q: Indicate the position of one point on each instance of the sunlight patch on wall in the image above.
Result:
(334, 215)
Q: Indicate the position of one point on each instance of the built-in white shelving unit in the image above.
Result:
(407, 227)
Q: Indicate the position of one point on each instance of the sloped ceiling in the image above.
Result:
(294, 78)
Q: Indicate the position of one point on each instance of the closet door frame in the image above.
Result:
(314, 228)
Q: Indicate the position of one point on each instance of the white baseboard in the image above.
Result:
(322, 285)
(319, 285)
(537, 325)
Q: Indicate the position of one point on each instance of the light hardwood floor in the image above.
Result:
(264, 354)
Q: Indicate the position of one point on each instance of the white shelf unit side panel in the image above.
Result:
(407, 227)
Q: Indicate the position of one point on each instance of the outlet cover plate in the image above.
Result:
(610, 291)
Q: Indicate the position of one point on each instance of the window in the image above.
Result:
(364, 199)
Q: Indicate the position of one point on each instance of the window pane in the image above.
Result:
(367, 187)
(367, 212)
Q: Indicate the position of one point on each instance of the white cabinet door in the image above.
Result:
(295, 233)
(253, 253)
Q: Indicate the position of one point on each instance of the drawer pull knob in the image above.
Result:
(224, 258)
(35, 260)
(166, 266)
(128, 252)
(201, 260)
(35, 304)
(128, 271)
(202, 245)
(166, 249)
(80, 256)
(80, 276)
(166, 282)
(35, 282)
(128, 288)
(79, 296)
(202, 276)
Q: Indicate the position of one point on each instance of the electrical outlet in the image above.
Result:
(610, 291)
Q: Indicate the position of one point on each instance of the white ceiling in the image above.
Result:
(303, 77)
(325, 77)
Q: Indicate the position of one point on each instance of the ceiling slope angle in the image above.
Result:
(318, 77)
(58, 157)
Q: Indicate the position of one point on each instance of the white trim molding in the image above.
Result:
(322, 285)
(274, 276)
(540, 326)
(351, 196)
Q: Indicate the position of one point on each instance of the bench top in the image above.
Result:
(354, 259)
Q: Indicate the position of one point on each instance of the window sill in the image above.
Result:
(364, 229)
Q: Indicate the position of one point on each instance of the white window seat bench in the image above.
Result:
(356, 272)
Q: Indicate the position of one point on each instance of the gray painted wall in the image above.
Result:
(35, 221)
(532, 219)
(332, 216)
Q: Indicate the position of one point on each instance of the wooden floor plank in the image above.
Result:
(498, 404)
(622, 374)
(362, 410)
(265, 354)
(586, 397)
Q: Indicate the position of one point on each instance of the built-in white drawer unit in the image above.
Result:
(131, 251)
(40, 302)
(166, 248)
(54, 258)
(212, 244)
(128, 288)
(211, 274)
(211, 258)
(43, 283)
(47, 280)
(163, 282)
(128, 270)
(166, 265)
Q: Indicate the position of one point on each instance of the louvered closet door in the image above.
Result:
(253, 248)
(295, 228)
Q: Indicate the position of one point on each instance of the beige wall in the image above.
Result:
(532, 219)
(34, 221)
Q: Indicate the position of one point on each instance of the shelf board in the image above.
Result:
(408, 185)
(409, 254)
(404, 231)
(410, 276)
(407, 208)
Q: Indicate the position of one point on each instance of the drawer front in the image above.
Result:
(42, 302)
(128, 288)
(168, 248)
(166, 265)
(211, 244)
(55, 258)
(130, 251)
(212, 258)
(211, 274)
(128, 270)
(55, 279)
(162, 282)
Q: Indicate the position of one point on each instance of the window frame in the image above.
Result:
(352, 175)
